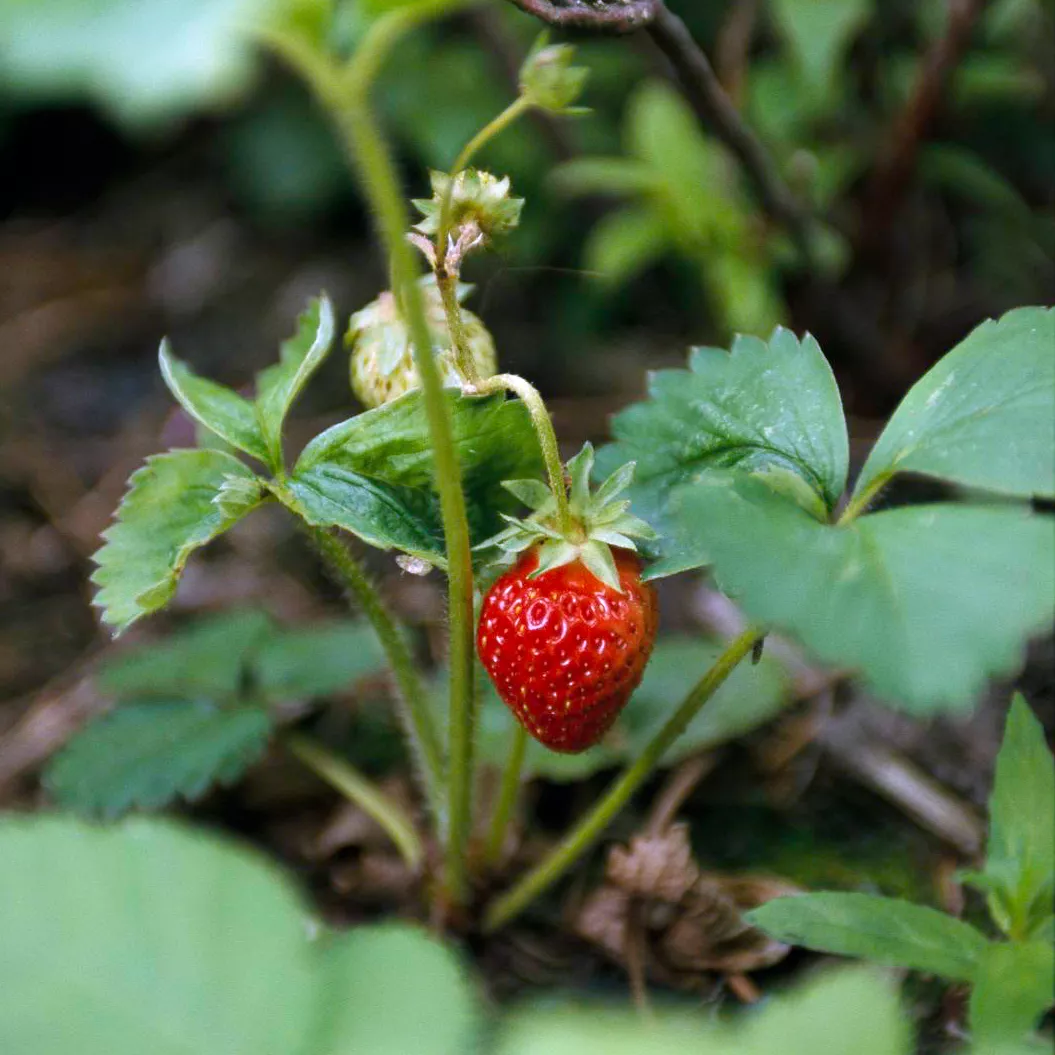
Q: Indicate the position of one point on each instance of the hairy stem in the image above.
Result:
(341, 775)
(452, 310)
(417, 722)
(591, 827)
(547, 438)
(507, 797)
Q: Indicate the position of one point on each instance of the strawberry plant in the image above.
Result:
(737, 465)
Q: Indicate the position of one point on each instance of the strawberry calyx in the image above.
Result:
(474, 197)
(597, 521)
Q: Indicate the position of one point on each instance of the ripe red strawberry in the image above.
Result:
(564, 650)
(565, 634)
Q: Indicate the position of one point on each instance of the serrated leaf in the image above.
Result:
(278, 386)
(1019, 872)
(169, 510)
(147, 937)
(373, 474)
(1013, 987)
(885, 930)
(926, 602)
(393, 989)
(147, 755)
(317, 660)
(769, 408)
(207, 660)
(982, 416)
(221, 410)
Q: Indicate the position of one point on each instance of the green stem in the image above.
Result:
(859, 503)
(547, 438)
(507, 797)
(591, 827)
(417, 721)
(364, 793)
(448, 287)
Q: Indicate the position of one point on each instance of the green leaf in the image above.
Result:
(169, 510)
(222, 411)
(278, 386)
(601, 175)
(146, 938)
(1013, 986)
(624, 243)
(316, 661)
(1019, 872)
(207, 660)
(146, 63)
(147, 755)
(392, 989)
(850, 1010)
(771, 408)
(982, 416)
(925, 601)
(819, 33)
(373, 474)
(885, 930)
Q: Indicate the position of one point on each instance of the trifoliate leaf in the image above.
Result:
(147, 755)
(169, 510)
(278, 386)
(147, 937)
(983, 415)
(765, 407)
(926, 602)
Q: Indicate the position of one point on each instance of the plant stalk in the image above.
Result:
(507, 797)
(341, 775)
(417, 721)
(860, 503)
(547, 438)
(448, 287)
(592, 826)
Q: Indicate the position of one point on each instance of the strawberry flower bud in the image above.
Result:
(549, 80)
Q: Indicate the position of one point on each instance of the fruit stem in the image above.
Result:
(507, 797)
(413, 709)
(340, 774)
(547, 438)
(343, 92)
(592, 826)
(448, 287)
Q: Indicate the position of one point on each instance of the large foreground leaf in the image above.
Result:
(925, 601)
(882, 929)
(169, 510)
(146, 938)
(983, 416)
(373, 474)
(147, 755)
(765, 407)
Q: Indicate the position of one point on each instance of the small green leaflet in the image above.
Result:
(147, 755)
(768, 408)
(1019, 873)
(925, 601)
(882, 929)
(819, 32)
(373, 474)
(169, 510)
(983, 415)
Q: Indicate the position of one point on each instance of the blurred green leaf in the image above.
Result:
(881, 929)
(765, 407)
(844, 1011)
(146, 938)
(221, 410)
(1019, 873)
(278, 386)
(982, 416)
(926, 602)
(169, 510)
(819, 32)
(372, 475)
(147, 63)
(147, 755)
(625, 242)
(208, 659)
(600, 175)
(1013, 987)
(392, 989)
